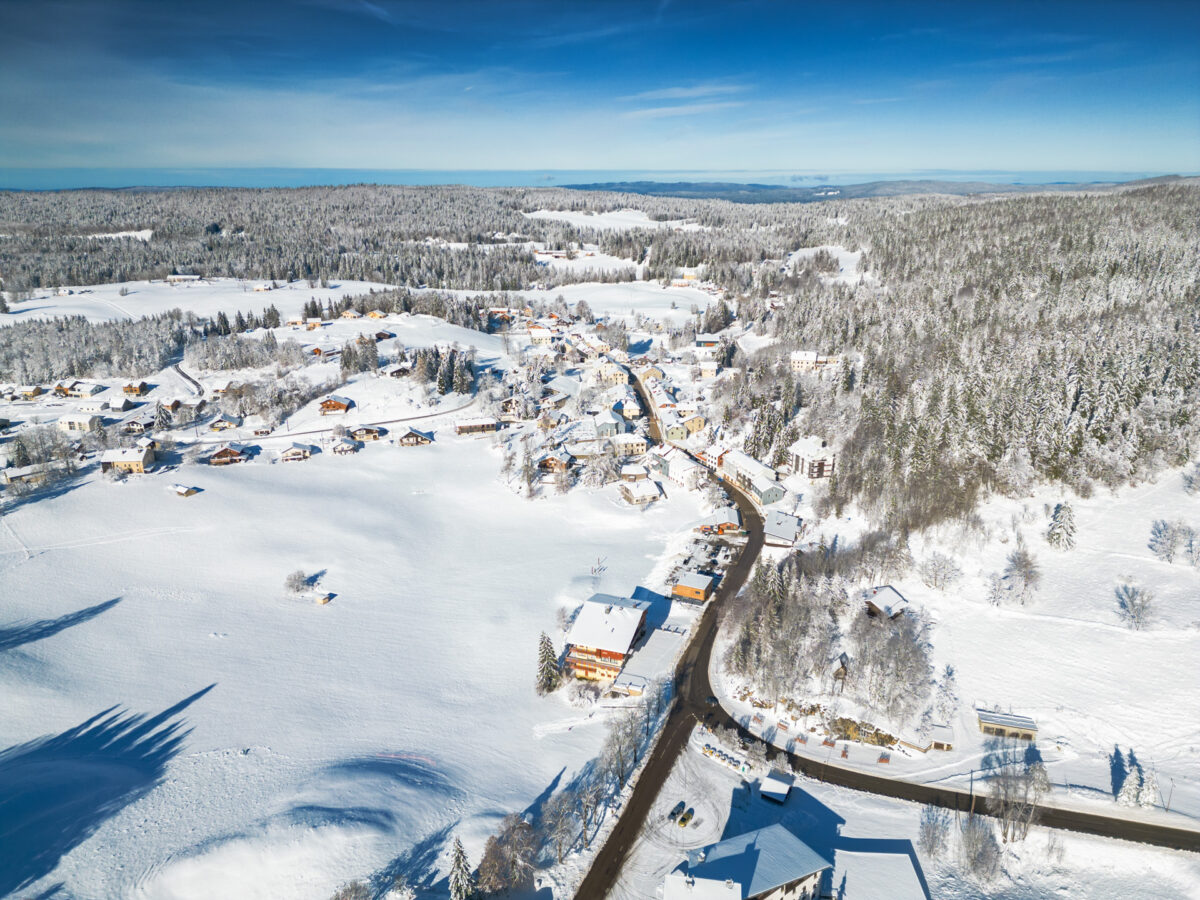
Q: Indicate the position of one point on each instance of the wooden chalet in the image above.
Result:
(336, 404)
(296, 453)
(29, 391)
(884, 602)
(225, 423)
(366, 433)
(377, 314)
(556, 461)
(229, 454)
(603, 634)
(351, 314)
(414, 438)
(639, 493)
(346, 446)
(135, 388)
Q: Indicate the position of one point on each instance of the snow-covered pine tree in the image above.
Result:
(1131, 788)
(1061, 533)
(462, 880)
(162, 416)
(549, 676)
(1148, 794)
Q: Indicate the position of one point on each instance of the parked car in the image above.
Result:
(677, 811)
(686, 818)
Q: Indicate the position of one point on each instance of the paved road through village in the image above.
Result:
(691, 707)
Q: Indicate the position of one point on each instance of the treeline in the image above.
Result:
(72, 347)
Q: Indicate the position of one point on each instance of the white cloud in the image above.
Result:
(685, 109)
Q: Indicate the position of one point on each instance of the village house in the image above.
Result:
(383, 336)
(262, 288)
(709, 368)
(95, 404)
(602, 635)
(228, 454)
(117, 403)
(220, 388)
(648, 372)
(131, 460)
(376, 314)
(397, 370)
(182, 279)
(607, 424)
(811, 361)
(480, 425)
(35, 474)
(345, 446)
(324, 350)
(672, 428)
(938, 737)
(640, 493)
(634, 472)
(661, 394)
(312, 323)
(29, 391)
(629, 444)
(366, 433)
(693, 587)
(610, 373)
(82, 422)
(674, 464)
(556, 461)
(1006, 725)
(139, 425)
(769, 863)
(884, 602)
(776, 785)
(812, 458)
(351, 314)
(136, 388)
(335, 403)
(296, 453)
(712, 457)
(780, 529)
(628, 408)
(540, 336)
(225, 423)
(755, 478)
(295, 320)
(414, 438)
(706, 341)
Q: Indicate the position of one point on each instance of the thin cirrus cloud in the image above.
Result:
(688, 92)
(683, 109)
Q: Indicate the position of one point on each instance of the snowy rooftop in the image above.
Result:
(776, 785)
(607, 623)
(757, 861)
(888, 600)
(642, 490)
(868, 875)
(695, 581)
(781, 525)
(114, 456)
(1011, 720)
(810, 447)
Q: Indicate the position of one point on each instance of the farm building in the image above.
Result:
(939, 737)
(229, 454)
(481, 425)
(414, 438)
(639, 493)
(296, 452)
(1007, 725)
(767, 864)
(336, 404)
(884, 602)
(693, 587)
(602, 635)
(83, 422)
(776, 785)
(134, 460)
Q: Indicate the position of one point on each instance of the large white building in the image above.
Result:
(768, 864)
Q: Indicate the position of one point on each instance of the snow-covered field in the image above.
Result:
(872, 843)
(616, 220)
(104, 303)
(847, 262)
(1066, 659)
(313, 743)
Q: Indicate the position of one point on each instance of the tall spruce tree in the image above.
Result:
(462, 880)
(1061, 533)
(549, 675)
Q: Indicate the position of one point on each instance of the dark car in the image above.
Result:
(677, 811)
(711, 701)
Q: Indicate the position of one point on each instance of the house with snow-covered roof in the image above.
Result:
(884, 602)
(812, 458)
(780, 529)
(602, 635)
(765, 864)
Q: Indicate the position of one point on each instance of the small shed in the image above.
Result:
(776, 786)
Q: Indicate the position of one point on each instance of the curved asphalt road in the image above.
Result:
(691, 706)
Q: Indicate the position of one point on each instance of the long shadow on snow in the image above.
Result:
(55, 791)
(15, 635)
(416, 865)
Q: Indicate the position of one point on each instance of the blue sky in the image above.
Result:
(396, 84)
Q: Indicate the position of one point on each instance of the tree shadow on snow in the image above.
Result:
(417, 865)
(16, 635)
(55, 791)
